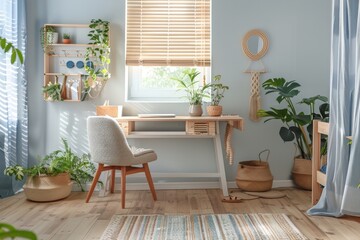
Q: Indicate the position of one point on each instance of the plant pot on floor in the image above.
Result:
(302, 173)
(195, 110)
(48, 188)
(214, 111)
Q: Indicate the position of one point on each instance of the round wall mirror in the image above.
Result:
(255, 44)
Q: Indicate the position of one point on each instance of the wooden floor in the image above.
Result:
(74, 220)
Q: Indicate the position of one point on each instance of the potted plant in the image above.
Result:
(48, 35)
(297, 126)
(52, 92)
(98, 54)
(50, 180)
(66, 38)
(217, 93)
(194, 91)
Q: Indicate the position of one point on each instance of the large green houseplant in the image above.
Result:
(297, 123)
(56, 170)
(195, 92)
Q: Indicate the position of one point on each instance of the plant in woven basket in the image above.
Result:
(297, 124)
(217, 93)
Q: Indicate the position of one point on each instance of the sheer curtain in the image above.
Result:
(341, 194)
(13, 95)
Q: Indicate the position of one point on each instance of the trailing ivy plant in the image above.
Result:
(80, 168)
(98, 53)
(47, 36)
(15, 53)
(297, 124)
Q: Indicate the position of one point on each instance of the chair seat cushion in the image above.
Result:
(142, 155)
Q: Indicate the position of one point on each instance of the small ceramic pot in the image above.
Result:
(195, 110)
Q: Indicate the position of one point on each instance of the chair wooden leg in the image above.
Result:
(112, 183)
(123, 186)
(150, 181)
(95, 180)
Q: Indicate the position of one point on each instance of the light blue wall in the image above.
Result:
(299, 35)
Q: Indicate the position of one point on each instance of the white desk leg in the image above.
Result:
(220, 161)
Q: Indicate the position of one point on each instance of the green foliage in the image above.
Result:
(7, 231)
(99, 52)
(188, 83)
(295, 122)
(217, 90)
(66, 36)
(45, 38)
(53, 91)
(158, 77)
(15, 53)
(81, 169)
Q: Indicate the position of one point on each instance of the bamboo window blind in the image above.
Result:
(168, 33)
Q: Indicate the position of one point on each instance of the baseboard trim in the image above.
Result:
(186, 185)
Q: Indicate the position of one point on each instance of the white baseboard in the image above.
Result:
(187, 185)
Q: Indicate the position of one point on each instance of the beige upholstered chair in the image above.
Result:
(110, 149)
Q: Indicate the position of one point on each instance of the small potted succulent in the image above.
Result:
(66, 38)
(217, 93)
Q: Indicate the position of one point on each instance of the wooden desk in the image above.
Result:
(195, 127)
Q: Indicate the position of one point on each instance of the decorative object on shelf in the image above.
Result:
(99, 54)
(255, 175)
(70, 64)
(50, 180)
(52, 91)
(48, 35)
(217, 93)
(194, 91)
(299, 125)
(66, 38)
(80, 64)
(15, 53)
(255, 45)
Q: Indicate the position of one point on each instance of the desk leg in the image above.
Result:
(220, 161)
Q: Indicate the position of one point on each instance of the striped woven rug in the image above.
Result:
(197, 227)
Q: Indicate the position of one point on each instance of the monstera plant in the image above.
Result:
(297, 124)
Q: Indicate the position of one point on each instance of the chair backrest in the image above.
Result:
(107, 142)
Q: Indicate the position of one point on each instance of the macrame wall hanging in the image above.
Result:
(255, 45)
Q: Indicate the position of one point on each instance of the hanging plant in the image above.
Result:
(98, 55)
(48, 35)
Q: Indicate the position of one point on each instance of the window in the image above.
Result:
(163, 37)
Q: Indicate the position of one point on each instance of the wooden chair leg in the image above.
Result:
(150, 181)
(95, 180)
(123, 186)
(112, 183)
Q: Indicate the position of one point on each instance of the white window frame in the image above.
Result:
(167, 95)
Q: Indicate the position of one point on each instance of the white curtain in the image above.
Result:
(341, 194)
(13, 95)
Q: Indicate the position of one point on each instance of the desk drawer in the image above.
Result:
(200, 128)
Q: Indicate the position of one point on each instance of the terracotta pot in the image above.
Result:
(48, 188)
(195, 110)
(302, 173)
(66, 41)
(214, 111)
(254, 176)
